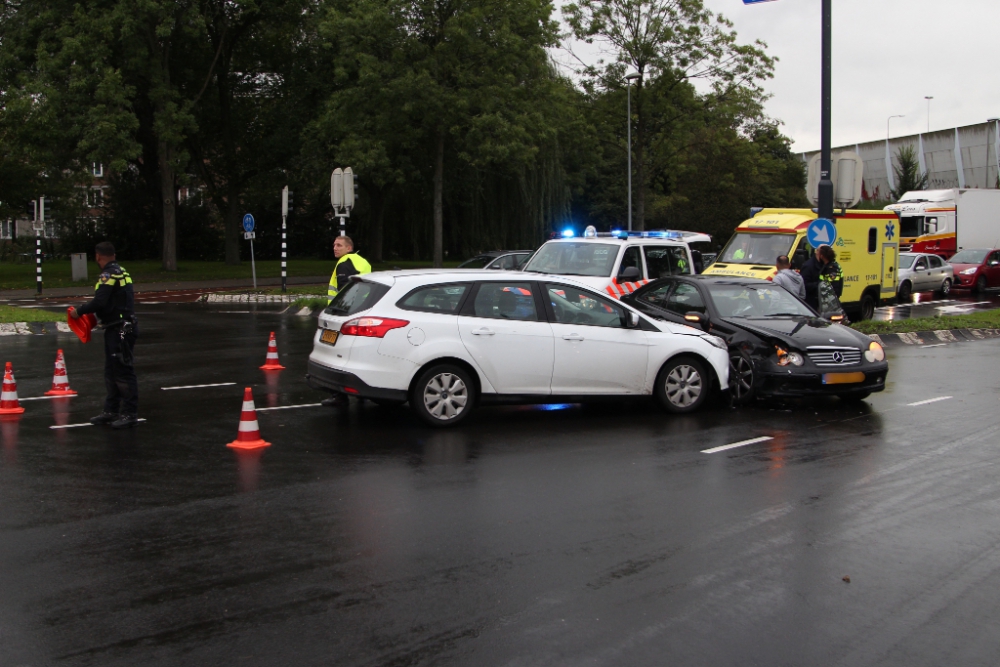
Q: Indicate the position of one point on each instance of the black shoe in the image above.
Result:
(104, 418)
(335, 401)
(125, 421)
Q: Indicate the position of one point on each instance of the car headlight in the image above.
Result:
(874, 352)
(786, 358)
(716, 341)
(969, 272)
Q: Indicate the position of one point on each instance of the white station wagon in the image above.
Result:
(449, 340)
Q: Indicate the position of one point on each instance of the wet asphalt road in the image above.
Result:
(594, 535)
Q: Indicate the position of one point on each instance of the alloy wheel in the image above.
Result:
(683, 385)
(740, 377)
(445, 396)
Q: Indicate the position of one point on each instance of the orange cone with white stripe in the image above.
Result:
(271, 363)
(248, 436)
(9, 404)
(60, 381)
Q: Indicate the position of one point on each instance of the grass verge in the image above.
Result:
(10, 314)
(57, 273)
(987, 319)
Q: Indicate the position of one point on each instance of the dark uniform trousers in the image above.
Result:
(119, 372)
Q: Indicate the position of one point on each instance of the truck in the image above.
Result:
(942, 222)
(867, 247)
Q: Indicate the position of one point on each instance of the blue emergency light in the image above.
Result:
(568, 234)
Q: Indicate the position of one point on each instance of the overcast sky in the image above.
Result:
(887, 55)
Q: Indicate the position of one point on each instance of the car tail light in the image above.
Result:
(371, 327)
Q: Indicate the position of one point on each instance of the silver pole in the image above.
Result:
(630, 155)
(253, 265)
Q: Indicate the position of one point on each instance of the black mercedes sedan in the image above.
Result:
(778, 346)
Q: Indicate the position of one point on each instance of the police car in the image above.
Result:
(618, 262)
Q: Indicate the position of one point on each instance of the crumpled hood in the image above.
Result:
(802, 332)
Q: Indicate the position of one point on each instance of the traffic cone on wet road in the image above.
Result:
(60, 381)
(9, 404)
(271, 363)
(248, 436)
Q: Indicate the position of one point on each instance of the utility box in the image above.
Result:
(78, 260)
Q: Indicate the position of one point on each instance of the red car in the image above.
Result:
(976, 268)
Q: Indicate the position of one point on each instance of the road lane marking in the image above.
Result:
(734, 445)
(929, 400)
(199, 386)
(83, 424)
(290, 407)
(45, 398)
(934, 345)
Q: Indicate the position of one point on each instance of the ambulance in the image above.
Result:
(867, 245)
(618, 262)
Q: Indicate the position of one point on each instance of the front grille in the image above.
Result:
(834, 356)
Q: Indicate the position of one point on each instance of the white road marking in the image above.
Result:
(199, 386)
(44, 398)
(934, 345)
(239, 312)
(741, 443)
(289, 407)
(84, 424)
(929, 400)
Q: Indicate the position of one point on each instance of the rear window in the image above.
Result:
(357, 296)
(434, 299)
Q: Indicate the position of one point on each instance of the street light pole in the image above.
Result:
(630, 78)
(928, 98)
(825, 189)
(887, 126)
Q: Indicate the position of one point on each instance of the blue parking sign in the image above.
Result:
(821, 232)
(248, 223)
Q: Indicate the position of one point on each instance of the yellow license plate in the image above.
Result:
(329, 337)
(843, 378)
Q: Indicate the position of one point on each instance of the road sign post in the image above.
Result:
(284, 247)
(248, 224)
(39, 226)
(342, 195)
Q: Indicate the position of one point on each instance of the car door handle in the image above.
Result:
(483, 332)
(572, 337)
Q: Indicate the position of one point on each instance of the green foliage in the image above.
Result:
(987, 319)
(908, 176)
(10, 314)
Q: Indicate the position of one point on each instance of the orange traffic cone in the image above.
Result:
(60, 381)
(271, 363)
(9, 404)
(248, 436)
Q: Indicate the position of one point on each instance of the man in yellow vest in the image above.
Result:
(349, 263)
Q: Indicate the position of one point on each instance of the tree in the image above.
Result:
(908, 176)
(672, 42)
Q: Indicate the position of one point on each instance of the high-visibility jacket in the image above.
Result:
(349, 265)
(113, 296)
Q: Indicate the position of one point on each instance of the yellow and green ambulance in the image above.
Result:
(867, 246)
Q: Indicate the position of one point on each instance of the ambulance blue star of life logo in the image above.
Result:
(890, 230)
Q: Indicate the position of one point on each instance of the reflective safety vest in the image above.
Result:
(360, 265)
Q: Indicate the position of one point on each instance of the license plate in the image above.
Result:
(329, 337)
(843, 378)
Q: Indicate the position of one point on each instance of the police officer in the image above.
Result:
(114, 306)
(349, 263)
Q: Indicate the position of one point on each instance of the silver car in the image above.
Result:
(921, 272)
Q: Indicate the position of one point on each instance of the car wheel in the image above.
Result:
(981, 284)
(904, 292)
(867, 307)
(946, 287)
(682, 385)
(443, 395)
(741, 378)
(855, 398)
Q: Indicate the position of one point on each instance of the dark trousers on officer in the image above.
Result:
(119, 372)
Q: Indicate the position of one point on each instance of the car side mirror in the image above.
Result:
(994, 262)
(630, 274)
(699, 261)
(495, 267)
(694, 317)
(633, 320)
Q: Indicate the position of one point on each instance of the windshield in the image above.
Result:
(970, 256)
(906, 261)
(477, 262)
(910, 225)
(750, 248)
(584, 258)
(756, 302)
(357, 296)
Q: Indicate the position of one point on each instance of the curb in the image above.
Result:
(257, 298)
(33, 328)
(939, 337)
